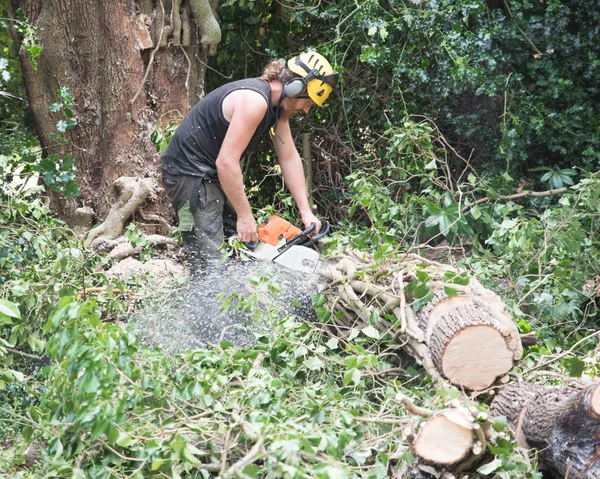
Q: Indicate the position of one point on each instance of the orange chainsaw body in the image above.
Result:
(275, 228)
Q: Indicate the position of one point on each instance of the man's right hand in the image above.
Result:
(246, 229)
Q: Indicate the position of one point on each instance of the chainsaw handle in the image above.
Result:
(300, 239)
(325, 230)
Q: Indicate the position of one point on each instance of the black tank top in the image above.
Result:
(195, 145)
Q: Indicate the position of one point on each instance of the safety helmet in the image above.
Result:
(317, 78)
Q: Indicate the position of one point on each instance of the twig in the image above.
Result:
(25, 355)
(125, 458)
(382, 420)
(523, 194)
(412, 407)
(187, 78)
(246, 460)
(521, 30)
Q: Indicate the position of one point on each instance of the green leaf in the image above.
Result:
(420, 302)
(319, 300)
(575, 367)
(251, 470)
(371, 332)
(313, 363)
(353, 334)
(423, 276)
(450, 291)
(499, 423)
(112, 434)
(124, 439)
(9, 308)
(351, 375)
(55, 107)
(490, 466)
(323, 314)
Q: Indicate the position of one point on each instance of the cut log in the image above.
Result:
(449, 442)
(446, 439)
(463, 333)
(561, 423)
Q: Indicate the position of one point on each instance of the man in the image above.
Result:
(201, 166)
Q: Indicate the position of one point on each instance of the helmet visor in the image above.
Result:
(331, 79)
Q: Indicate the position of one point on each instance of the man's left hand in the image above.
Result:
(309, 219)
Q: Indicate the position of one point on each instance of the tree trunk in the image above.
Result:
(123, 82)
(561, 423)
(459, 331)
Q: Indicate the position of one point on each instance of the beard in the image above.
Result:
(287, 113)
(286, 110)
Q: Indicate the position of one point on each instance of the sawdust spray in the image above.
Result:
(225, 301)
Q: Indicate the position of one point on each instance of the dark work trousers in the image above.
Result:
(204, 215)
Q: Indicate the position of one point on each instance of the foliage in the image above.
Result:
(299, 402)
(139, 239)
(511, 85)
(58, 172)
(29, 40)
(12, 92)
(550, 258)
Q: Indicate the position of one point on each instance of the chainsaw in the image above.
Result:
(283, 243)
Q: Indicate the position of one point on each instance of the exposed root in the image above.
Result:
(133, 193)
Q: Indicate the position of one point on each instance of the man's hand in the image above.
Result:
(308, 219)
(246, 229)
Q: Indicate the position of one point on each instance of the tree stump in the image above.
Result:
(451, 324)
(561, 423)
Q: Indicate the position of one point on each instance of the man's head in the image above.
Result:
(307, 76)
(312, 77)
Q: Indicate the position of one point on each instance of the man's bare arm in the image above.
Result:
(247, 111)
(293, 172)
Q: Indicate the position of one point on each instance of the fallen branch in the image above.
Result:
(461, 332)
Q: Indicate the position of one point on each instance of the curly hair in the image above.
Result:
(275, 70)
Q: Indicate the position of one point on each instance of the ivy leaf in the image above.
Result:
(61, 126)
(490, 466)
(371, 332)
(55, 107)
(313, 363)
(352, 375)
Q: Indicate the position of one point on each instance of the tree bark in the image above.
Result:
(561, 423)
(462, 333)
(102, 52)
